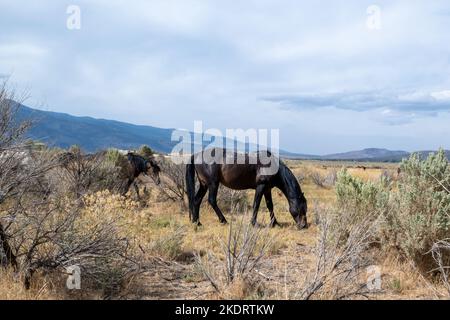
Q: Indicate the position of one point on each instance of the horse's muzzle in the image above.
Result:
(302, 222)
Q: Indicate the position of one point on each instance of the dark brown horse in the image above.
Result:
(131, 168)
(249, 173)
(138, 165)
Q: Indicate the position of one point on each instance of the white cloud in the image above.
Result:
(441, 95)
(170, 62)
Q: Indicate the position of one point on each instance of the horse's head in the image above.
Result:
(153, 170)
(298, 209)
(298, 205)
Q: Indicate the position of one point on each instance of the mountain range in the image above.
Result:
(64, 130)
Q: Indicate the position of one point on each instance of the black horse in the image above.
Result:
(250, 174)
(138, 165)
(131, 169)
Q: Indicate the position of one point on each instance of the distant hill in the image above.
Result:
(372, 155)
(63, 130)
(369, 154)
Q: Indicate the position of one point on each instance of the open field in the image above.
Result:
(174, 254)
(191, 150)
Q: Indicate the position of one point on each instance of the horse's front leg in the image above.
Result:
(258, 196)
(212, 199)
(269, 203)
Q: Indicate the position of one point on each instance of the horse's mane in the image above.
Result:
(290, 181)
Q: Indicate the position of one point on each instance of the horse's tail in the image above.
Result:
(190, 186)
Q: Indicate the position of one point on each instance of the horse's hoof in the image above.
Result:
(274, 224)
(302, 226)
(197, 223)
(224, 222)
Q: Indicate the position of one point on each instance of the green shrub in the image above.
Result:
(146, 152)
(415, 211)
(368, 199)
(115, 158)
(112, 171)
(169, 245)
(420, 214)
(357, 203)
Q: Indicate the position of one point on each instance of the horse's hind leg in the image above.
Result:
(127, 187)
(269, 204)
(197, 202)
(258, 196)
(212, 199)
(136, 188)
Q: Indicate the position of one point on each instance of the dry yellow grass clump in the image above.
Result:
(12, 288)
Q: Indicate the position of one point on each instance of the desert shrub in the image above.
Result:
(44, 231)
(80, 174)
(414, 210)
(440, 252)
(321, 180)
(233, 275)
(168, 245)
(104, 204)
(360, 200)
(173, 185)
(77, 174)
(331, 178)
(342, 257)
(161, 222)
(112, 172)
(420, 208)
(347, 232)
(317, 178)
(20, 171)
(387, 177)
(115, 158)
(49, 236)
(366, 197)
(146, 152)
(232, 200)
(301, 176)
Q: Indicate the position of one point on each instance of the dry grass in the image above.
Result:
(167, 243)
(13, 289)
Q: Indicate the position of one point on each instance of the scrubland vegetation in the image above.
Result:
(57, 212)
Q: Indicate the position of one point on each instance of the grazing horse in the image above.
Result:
(140, 165)
(134, 166)
(249, 175)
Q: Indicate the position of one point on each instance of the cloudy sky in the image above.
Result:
(329, 74)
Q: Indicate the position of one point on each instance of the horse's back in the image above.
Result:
(238, 171)
(239, 176)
